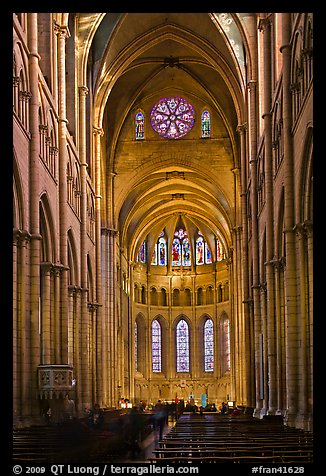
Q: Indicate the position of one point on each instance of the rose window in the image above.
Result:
(172, 117)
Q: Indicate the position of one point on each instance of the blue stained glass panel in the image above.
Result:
(176, 252)
(156, 347)
(209, 346)
(182, 340)
(205, 124)
(186, 252)
(162, 252)
(140, 125)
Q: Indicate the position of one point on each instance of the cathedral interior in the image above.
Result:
(163, 212)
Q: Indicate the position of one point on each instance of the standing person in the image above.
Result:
(224, 408)
(180, 408)
(135, 427)
(159, 418)
(68, 408)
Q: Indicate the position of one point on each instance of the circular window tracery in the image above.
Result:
(172, 117)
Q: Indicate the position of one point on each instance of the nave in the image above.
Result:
(192, 439)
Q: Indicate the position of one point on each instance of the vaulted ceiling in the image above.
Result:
(135, 59)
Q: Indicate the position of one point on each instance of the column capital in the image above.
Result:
(61, 31)
(264, 23)
(93, 306)
(98, 131)
(109, 231)
(252, 85)
(241, 128)
(21, 236)
(263, 288)
(236, 170)
(308, 225)
(83, 90)
(46, 266)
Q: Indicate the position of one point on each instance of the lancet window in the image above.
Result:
(182, 344)
(156, 346)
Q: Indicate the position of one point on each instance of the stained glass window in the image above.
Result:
(154, 256)
(219, 251)
(181, 251)
(156, 346)
(142, 253)
(182, 339)
(203, 254)
(176, 253)
(209, 346)
(186, 254)
(159, 252)
(200, 251)
(172, 117)
(162, 251)
(139, 124)
(208, 256)
(205, 124)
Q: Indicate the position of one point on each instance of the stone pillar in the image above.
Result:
(101, 331)
(85, 344)
(46, 313)
(15, 326)
(253, 121)
(22, 325)
(170, 337)
(265, 25)
(114, 368)
(132, 318)
(280, 334)
(309, 257)
(62, 34)
(32, 360)
(303, 306)
(77, 349)
(292, 334)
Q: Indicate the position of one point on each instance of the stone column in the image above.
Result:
(31, 360)
(265, 25)
(46, 313)
(101, 324)
(62, 34)
(309, 257)
(77, 349)
(292, 333)
(15, 325)
(303, 306)
(280, 333)
(253, 121)
(86, 377)
(22, 325)
(114, 370)
(56, 323)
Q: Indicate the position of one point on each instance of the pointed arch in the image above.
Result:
(48, 251)
(18, 201)
(73, 278)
